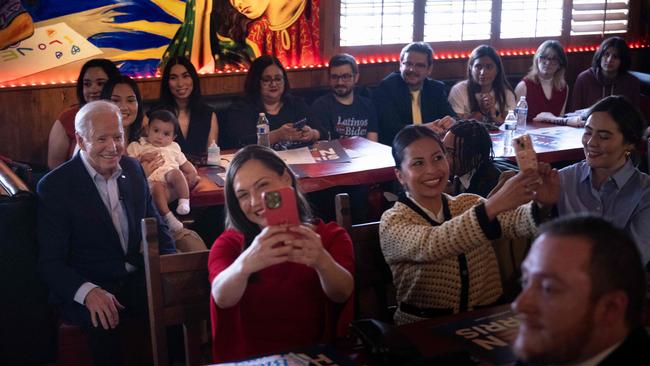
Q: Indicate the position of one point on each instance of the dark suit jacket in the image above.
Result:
(633, 351)
(78, 242)
(392, 99)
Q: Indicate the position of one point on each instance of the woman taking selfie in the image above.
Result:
(274, 287)
(544, 87)
(438, 246)
(486, 95)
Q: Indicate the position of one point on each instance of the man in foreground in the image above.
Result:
(583, 297)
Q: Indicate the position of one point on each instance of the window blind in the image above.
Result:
(457, 20)
(368, 22)
(531, 18)
(599, 17)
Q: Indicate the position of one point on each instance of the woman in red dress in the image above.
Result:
(274, 287)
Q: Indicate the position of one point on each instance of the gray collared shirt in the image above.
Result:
(623, 199)
(109, 192)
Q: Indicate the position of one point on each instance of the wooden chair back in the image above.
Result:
(178, 292)
(374, 292)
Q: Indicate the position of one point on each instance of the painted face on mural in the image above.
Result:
(252, 9)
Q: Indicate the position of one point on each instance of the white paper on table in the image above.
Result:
(288, 359)
(297, 156)
(353, 154)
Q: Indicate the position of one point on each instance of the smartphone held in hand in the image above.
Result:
(526, 156)
(280, 207)
(300, 124)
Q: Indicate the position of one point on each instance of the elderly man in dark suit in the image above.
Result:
(89, 231)
(410, 96)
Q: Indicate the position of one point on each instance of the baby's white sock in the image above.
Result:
(183, 207)
(173, 223)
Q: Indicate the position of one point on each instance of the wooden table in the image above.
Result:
(494, 327)
(374, 164)
(552, 143)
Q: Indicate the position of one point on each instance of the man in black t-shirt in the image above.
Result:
(341, 112)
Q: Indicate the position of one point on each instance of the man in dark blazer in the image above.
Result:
(89, 231)
(410, 96)
(583, 297)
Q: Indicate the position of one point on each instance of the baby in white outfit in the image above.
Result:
(169, 177)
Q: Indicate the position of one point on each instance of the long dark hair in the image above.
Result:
(235, 217)
(253, 85)
(166, 96)
(408, 135)
(621, 47)
(627, 117)
(107, 91)
(109, 68)
(500, 84)
(473, 145)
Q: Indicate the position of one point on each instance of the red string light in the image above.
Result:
(363, 60)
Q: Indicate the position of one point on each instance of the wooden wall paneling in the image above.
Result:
(330, 25)
(26, 116)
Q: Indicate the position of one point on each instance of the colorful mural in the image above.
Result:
(140, 35)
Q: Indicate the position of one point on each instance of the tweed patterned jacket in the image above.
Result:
(425, 258)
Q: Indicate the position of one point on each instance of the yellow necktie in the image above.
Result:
(415, 107)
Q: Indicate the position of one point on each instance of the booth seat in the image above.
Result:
(644, 78)
(27, 324)
(644, 105)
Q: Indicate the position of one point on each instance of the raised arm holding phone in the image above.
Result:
(439, 246)
(279, 277)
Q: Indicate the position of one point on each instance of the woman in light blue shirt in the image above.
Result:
(607, 183)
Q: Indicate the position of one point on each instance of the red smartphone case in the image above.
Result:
(280, 207)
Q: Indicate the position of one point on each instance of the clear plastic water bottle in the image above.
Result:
(214, 154)
(509, 126)
(263, 131)
(522, 113)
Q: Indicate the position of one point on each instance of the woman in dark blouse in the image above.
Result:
(180, 93)
(267, 91)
